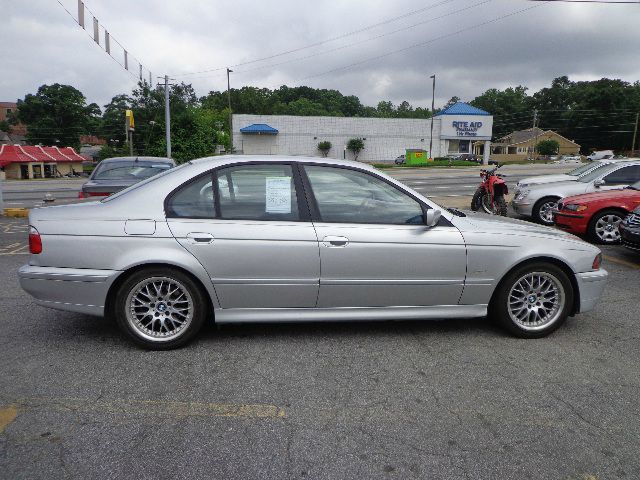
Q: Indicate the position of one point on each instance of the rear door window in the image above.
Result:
(258, 192)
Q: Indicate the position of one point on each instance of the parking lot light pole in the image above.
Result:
(167, 115)
(230, 114)
(433, 102)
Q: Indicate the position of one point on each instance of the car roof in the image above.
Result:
(138, 159)
(279, 158)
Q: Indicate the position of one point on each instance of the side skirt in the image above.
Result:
(282, 315)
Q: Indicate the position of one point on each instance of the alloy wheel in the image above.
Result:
(546, 212)
(606, 228)
(159, 308)
(536, 300)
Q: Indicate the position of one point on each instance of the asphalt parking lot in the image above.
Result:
(455, 399)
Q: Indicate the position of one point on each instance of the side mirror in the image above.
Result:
(598, 183)
(432, 217)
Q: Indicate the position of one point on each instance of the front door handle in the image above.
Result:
(200, 238)
(334, 241)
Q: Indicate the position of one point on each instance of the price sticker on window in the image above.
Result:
(278, 195)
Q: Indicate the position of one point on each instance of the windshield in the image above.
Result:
(584, 168)
(128, 170)
(144, 182)
(589, 177)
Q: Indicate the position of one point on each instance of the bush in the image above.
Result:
(356, 145)
(324, 147)
(548, 147)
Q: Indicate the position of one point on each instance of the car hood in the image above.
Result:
(478, 222)
(608, 195)
(560, 177)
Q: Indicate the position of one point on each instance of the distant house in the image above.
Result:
(6, 109)
(521, 144)
(25, 162)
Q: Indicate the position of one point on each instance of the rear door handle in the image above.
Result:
(199, 237)
(334, 241)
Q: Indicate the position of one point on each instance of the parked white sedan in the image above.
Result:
(277, 239)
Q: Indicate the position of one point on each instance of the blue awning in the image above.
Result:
(260, 129)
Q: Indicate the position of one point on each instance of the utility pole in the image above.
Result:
(433, 103)
(535, 121)
(230, 114)
(635, 134)
(167, 115)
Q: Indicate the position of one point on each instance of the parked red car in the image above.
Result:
(597, 214)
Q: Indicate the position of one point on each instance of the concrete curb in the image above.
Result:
(16, 212)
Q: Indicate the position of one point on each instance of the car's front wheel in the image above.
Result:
(160, 308)
(603, 227)
(543, 210)
(533, 300)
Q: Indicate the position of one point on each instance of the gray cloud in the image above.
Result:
(42, 44)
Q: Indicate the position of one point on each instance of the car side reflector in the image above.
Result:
(597, 262)
(35, 242)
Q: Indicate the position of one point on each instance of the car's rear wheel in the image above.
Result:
(159, 308)
(542, 210)
(533, 300)
(603, 227)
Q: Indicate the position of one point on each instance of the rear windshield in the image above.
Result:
(601, 170)
(135, 186)
(584, 168)
(128, 170)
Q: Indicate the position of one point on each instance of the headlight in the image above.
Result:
(572, 207)
(522, 194)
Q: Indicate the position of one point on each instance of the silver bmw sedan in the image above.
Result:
(283, 239)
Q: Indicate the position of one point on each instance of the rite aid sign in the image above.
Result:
(466, 126)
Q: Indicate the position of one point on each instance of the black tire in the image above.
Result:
(476, 201)
(540, 209)
(148, 338)
(499, 306)
(501, 205)
(605, 237)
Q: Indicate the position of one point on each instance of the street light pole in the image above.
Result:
(167, 115)
(433, 102)
(230, 114)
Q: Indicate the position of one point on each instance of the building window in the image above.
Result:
(8, 110)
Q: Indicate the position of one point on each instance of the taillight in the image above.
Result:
(597, 262)
(35, 242)
(81, 194)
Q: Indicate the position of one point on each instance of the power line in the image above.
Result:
(354, 44)
(421, 44)
(322, 42)
(100, 32)
(590, 1)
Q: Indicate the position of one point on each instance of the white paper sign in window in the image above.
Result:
(278, 195)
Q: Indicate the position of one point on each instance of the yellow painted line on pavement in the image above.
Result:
(7, 415)
(619, 261)
(158, 408)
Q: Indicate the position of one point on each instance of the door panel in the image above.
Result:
(256, 264)
(244, 223)
(375, 250)
(391, 265)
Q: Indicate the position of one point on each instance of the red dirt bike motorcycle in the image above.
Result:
(490, 194)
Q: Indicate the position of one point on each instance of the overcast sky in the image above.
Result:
(371, 58)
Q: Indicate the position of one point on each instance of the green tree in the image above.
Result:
(355, 145)
(4, 126)
(512, 109)
(548, 147)
(58, 115)
(324, 147)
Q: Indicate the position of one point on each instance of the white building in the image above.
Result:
(455, 130)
